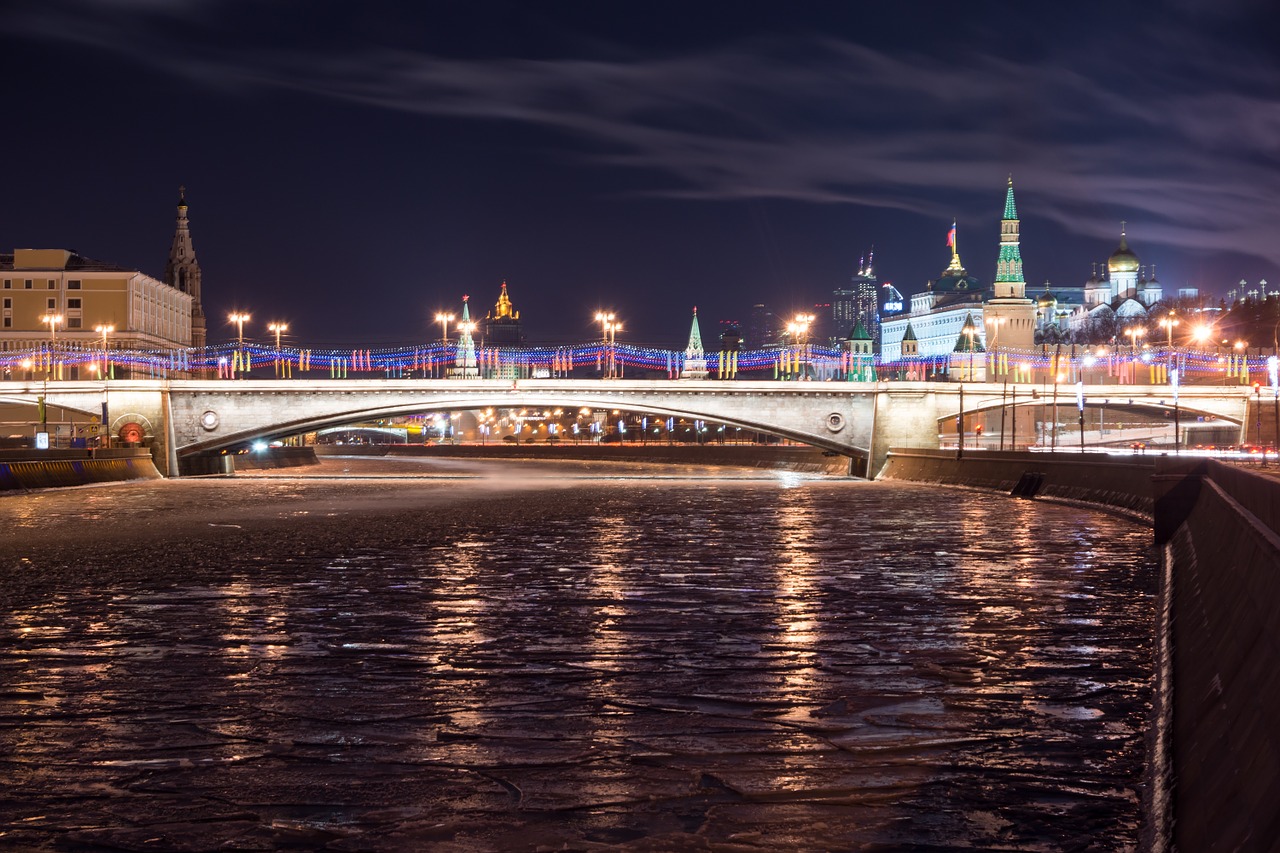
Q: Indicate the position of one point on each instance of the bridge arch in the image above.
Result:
(509, 399)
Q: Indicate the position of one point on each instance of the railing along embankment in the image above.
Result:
(1218, 525)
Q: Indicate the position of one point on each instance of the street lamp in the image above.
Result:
(239, 318)
(1202, 333)
(1168, 322)
(278, 328)
(105, 330)
(799, 330)
(53, 321)
(444, 320)
(1134, 332)
(610, 325)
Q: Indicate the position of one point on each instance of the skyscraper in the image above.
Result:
(857, 302)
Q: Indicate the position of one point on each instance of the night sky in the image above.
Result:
(352, 168)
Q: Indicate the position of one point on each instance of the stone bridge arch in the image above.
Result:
(228, 414)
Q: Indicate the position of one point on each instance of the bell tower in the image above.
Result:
(183, 271)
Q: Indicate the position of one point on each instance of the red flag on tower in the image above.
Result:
(951, 236)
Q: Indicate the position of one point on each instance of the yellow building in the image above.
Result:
(60, 301)
(58, 305)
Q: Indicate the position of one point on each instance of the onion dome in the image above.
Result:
(1122, 259)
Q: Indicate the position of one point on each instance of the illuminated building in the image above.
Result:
(87, 295)
(937, 313)
(501, 327)
(858, 302)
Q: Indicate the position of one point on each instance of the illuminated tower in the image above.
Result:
(502, 325)
(1009, 316)
(183, 271)
(695, 362)
(465, 361)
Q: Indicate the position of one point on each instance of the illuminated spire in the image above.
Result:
(1009, 279)
(694, 350)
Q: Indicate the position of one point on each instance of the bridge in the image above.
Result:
(185, 418)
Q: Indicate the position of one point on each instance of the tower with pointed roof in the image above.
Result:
(501, 327)
(860, 346)
(1009, 316)
(464, 363)
(183, 271)
(695, 361)
(968, 357)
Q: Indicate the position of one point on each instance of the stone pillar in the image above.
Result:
(905, 417)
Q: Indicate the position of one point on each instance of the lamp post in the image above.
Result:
(278, 328)
(1168, 322)
(53, 321)
(239, 318)
(799, 329)
(444, 320)
(105, 330)
(610, 325)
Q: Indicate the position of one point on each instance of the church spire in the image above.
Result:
(183, 271)
(1009, 280)
(694, 349)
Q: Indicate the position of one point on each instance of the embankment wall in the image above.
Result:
(28, 469)
(1214, 783)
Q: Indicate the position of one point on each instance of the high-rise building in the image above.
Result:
(763, 328)
(501, 327)
(857, 302)
(183, 271)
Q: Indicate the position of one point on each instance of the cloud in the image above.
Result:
(1165, 136)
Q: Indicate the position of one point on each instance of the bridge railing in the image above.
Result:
(78, 360)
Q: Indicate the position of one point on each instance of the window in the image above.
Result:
(53, 285)
(73, 322)
(8, 322)
(52, 303)
(73, 302)
(8, 302)
(8, 284)
(27, 283)
(73, 284)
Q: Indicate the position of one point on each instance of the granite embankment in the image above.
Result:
(40, 469)
(1215, 779)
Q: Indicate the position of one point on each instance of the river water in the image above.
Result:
(516, 656)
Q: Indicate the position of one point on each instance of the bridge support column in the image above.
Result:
(904, 418)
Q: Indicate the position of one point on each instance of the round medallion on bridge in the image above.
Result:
(209, 420)
(835, 421)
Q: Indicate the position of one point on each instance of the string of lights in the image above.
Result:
(231, 359)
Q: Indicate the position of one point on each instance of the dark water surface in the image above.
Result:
(512, 657)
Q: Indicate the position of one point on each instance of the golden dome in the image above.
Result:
(1122, 259)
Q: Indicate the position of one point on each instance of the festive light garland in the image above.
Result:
(229, 360)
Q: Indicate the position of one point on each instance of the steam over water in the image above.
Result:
(515, 656)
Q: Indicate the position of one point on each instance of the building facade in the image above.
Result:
(58, 299)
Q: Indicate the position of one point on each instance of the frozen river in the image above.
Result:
(516, 656)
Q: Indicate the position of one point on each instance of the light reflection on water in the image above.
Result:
(822, 664)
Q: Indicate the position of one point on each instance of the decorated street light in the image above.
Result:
(239, 318)
(278, 328)
(105, 330)
(53, 321)
(444, 320)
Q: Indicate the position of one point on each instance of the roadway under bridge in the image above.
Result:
(187, 418)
